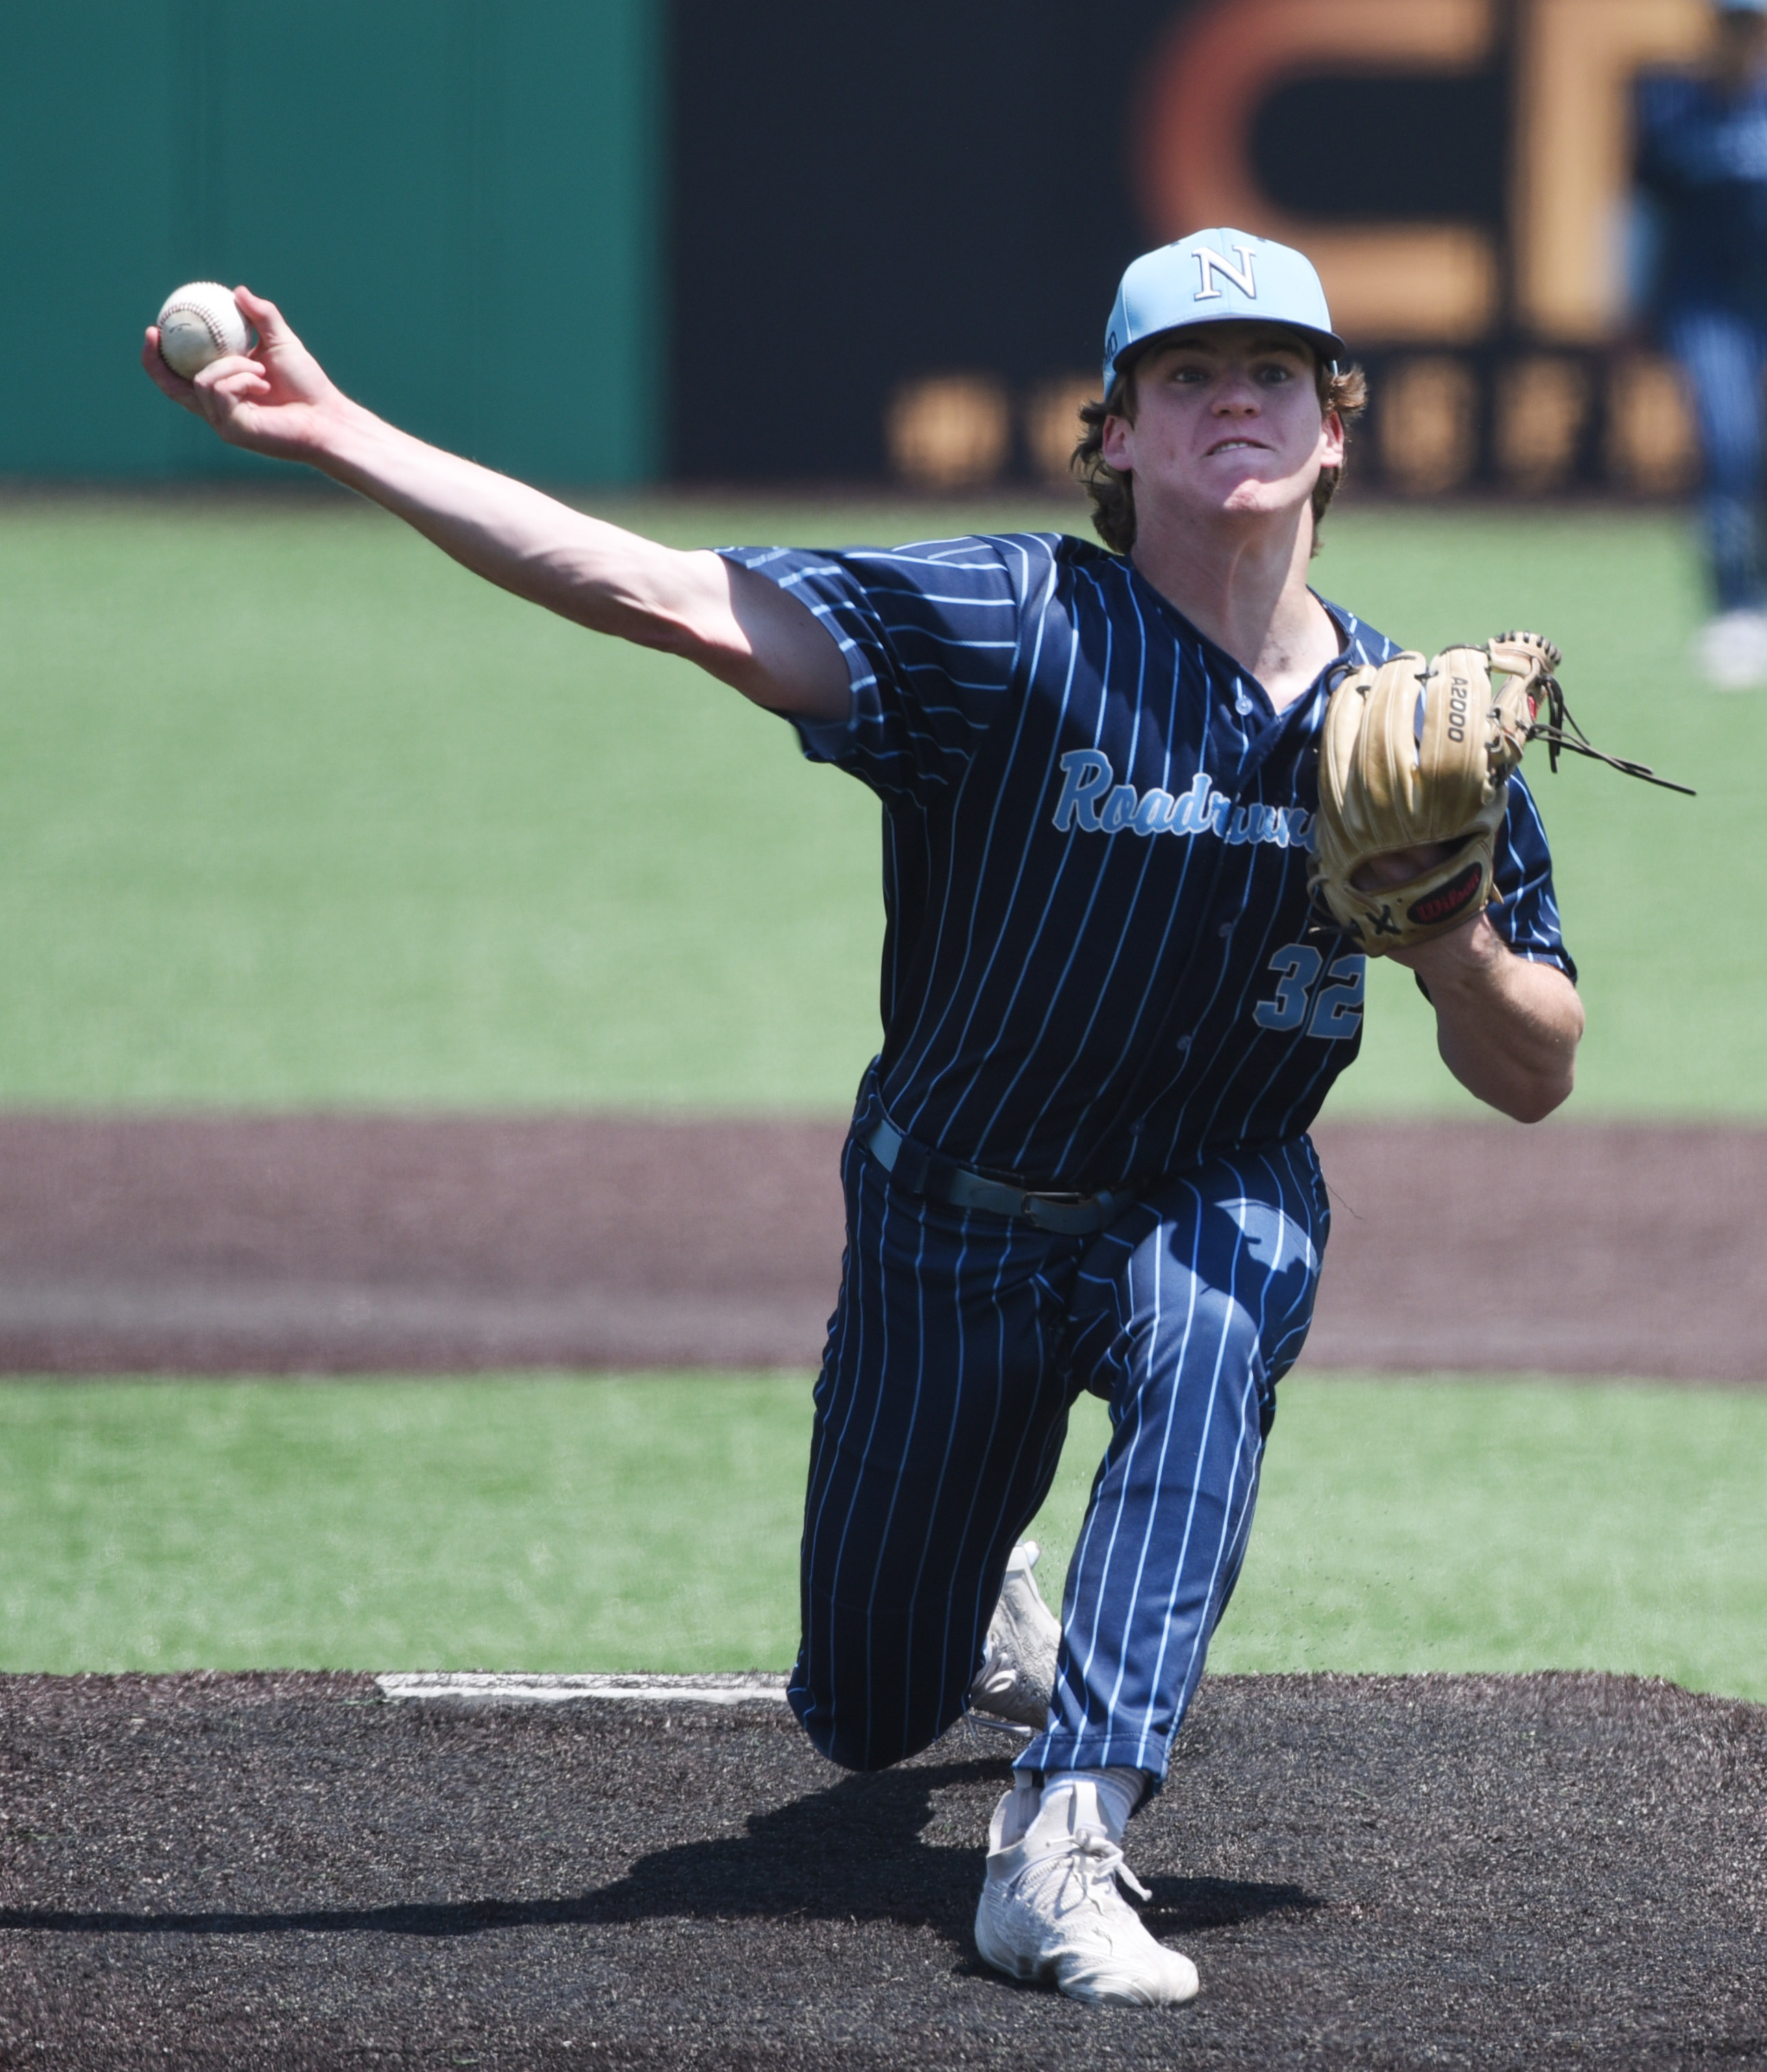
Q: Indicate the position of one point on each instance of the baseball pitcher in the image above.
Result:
(1124, 964)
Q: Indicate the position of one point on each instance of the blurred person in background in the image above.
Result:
(1700, 275)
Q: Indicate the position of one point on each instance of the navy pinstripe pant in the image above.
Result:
(961, 1342)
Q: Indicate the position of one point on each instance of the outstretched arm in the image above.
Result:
(1507, 1028)
(277, 401)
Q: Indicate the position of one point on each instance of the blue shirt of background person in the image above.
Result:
(1700, 274)
(1702, 160)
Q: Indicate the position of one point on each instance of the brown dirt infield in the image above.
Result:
(282, 1873)
(354, 1244)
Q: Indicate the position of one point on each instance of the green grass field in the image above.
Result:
(298, 814)
(543, 1524)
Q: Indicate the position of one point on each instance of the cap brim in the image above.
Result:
(1326, 343)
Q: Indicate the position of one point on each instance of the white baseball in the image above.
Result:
(198, 322)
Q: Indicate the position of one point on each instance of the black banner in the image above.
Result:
(897, 232)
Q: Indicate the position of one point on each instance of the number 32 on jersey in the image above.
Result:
(1333, 1012)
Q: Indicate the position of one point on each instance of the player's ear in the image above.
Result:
(1331, 436)
(1114, 436)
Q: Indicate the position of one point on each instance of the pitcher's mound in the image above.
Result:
(290, 1871)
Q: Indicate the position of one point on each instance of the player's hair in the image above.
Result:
(1344, 389)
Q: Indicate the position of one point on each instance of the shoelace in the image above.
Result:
(1096, 1860)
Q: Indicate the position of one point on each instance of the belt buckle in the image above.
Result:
(1057, 1213)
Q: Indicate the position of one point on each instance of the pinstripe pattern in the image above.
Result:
(1187, 1312)
(960, 1344)
(939, 1415)
(1100, 969)
(1060, 1001)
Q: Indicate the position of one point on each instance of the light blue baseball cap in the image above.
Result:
(1742, 6)
(1219, 276)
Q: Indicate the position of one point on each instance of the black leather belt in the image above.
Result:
(924, 1172)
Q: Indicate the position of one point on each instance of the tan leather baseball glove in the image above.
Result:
(1416, 754)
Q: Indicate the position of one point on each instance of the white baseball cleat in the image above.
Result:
(1051, 1910)
(1732, 650)
(1017, 1675)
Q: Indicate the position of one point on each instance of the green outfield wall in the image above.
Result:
(457, 202)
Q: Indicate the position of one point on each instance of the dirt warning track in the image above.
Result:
(284, 1872)
(354, 1244)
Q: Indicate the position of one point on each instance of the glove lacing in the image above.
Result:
(1560, 732)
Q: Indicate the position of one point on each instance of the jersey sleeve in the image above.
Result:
(1524, 910)
(931, 637)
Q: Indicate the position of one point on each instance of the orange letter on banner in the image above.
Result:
(1385, 282)
(1579, 58)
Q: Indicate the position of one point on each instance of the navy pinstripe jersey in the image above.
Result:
(1100, 963)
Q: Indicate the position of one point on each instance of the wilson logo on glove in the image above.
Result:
(1450, 901)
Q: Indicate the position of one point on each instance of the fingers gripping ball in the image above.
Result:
(198, 322)
(1416, 754)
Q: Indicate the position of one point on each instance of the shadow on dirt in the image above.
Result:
(856, 1852)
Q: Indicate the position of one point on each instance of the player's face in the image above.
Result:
(1227, 421)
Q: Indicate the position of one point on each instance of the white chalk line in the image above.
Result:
(513, 1688)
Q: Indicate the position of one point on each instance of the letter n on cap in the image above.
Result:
(1209, 264)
